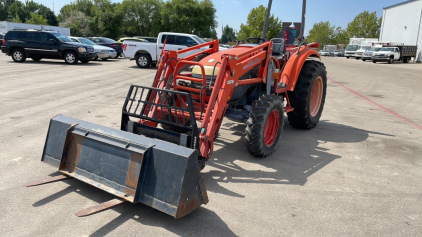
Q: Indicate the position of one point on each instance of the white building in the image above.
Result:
(402, 23)
(6, 26)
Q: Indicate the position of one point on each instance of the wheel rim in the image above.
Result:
(17, 55)
(70, 58)
(143, 61)
(316, 96)
(271, 128)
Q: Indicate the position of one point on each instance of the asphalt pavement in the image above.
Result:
(358, 173)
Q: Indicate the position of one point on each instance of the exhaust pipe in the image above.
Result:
(264, 32)
(302, 31)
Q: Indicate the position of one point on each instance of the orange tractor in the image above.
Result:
(168, 130)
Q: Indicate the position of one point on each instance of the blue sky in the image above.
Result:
(235, 12)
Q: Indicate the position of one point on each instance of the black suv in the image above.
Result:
(37, 44)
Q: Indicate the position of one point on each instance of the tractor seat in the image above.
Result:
(279, 47)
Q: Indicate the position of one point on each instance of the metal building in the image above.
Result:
(402, 23)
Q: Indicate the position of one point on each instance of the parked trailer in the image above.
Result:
(6, 26)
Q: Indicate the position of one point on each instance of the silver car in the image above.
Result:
(102, 52)
(324, 53)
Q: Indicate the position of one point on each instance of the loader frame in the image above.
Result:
(210, 110)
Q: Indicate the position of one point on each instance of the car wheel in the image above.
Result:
(96, 58)
(364, 60)
(18, 56)
(390, 60)
(347, 57)
(70, 57)
(36, 59)
(373, 61)
(143, 60)
(84, 61)
(104, 59)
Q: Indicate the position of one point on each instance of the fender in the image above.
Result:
(294, 65)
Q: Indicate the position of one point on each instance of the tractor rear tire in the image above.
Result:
(308, 97)
(265, 125)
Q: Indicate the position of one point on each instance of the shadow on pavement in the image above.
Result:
(196, 223)
(58, 62)
(298, 156)
(150, 68)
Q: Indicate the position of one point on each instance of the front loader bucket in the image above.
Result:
(135, 168)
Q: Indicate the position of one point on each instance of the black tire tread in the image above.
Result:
(255, 125)
(300, 116)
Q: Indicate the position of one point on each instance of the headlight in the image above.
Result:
(82, 50)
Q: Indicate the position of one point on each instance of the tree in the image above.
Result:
(255, 24)
(365, 25)
(212, 33)
(340, 36)
(4, 9)
(84, 6)
(189, 16)
(17, 19)
(105, 21)
(48, 14)
(228, 35)
(141, 17)
(37, 19)
(16, 11)
(78, 23)
(322, 32)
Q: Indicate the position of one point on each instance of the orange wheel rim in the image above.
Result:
(271, 128)
(316, 96)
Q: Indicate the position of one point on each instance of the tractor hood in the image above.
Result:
(210, 61)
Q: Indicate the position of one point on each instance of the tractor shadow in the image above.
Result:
(297, 157)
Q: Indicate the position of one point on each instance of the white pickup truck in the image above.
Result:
(399, 53)
(146, 53)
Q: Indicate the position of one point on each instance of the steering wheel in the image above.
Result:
(258, 39)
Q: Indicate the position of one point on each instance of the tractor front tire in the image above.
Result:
(308, 97)
(265, 125)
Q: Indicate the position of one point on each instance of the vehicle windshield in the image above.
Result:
(374, 49)
(201, 41)
(337, 51)
(388, 49)
(61, 37)
(364, 47)
(352, 47)
(86, 41)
